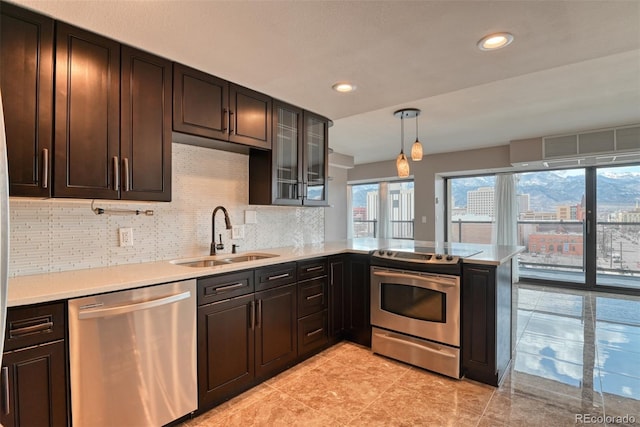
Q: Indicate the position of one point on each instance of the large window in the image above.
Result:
(382, 210)
(578, 226)
(471, 209)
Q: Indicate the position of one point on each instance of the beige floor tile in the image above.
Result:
(400, 406)
(459, 394)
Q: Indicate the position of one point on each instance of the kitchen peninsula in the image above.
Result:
(280, 305)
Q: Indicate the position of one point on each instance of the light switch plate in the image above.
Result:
(250, 217)
(237, 232)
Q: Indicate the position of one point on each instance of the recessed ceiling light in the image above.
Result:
(495, 41)
(344, 87)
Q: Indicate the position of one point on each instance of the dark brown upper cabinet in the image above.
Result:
(87, 111)
(294, 172)
(209, 107)
(145, 126)
(113, 121)
(26, 83)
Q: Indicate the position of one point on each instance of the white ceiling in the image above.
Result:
(574, 65)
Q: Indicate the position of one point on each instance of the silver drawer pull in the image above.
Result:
(6, 404)
(315, 296)
(229, 287)
(279, 276)
(319, 267)
(45, 168)
(28, 330)
(316, 332)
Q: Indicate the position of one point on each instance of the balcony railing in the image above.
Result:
(400, 229)
(558, 247)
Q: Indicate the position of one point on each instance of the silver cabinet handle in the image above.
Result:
(116, 174)
(253, 315)
(319, 267)
(45, 168)
(225, 120)
(128, 308)
(231, 127)
(440, 281)
(5, 382)
(259, 315)
(229, 287)
(310, 297)
(125, 164)
(279, 276)
(27, 330)
(317, 331)
(424, 346)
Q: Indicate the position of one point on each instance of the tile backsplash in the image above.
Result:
(64, 234)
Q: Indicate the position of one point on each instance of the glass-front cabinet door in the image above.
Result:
(315, 159)
(287, 155)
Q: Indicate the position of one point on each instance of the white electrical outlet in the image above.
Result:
(237, 232)
(126, 236)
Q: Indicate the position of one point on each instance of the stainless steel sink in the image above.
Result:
(212, 261)
(248, 257)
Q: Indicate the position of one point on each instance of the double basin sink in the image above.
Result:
(215, 260)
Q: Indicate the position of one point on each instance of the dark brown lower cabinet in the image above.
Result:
(244, 339)
(313, 333)
(225, 348)
(34, 386)
(275, 329)
(486, 322)
(357, 326)
(336, 297)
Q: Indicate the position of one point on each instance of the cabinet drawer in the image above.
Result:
(276, 275)
(217, 288)
(312, 296)
(32, 325)
(312, 332)
(312, 268)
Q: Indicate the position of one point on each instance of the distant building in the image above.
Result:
(480, 201)
(555, 243)
(523, 203)
(538, 216)
(631, 216)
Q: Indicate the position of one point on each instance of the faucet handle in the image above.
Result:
(220, 246)
(234, 248)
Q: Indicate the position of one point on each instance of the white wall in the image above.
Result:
(57, 235)
(335, 216)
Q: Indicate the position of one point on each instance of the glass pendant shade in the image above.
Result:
(402, 164)
(416, 151)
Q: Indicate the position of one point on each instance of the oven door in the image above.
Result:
(420, 304)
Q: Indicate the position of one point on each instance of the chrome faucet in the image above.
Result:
(218, 247)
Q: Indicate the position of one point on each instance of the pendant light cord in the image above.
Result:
(402, 133)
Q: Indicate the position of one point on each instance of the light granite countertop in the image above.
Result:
(24, 290)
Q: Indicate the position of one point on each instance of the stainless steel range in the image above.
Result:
(415, 306)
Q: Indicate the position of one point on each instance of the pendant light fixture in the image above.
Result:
(416, 148)
(402, 163)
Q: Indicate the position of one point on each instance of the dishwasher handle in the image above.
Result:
(128, 308)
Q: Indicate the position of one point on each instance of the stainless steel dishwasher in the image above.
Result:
(133, 356)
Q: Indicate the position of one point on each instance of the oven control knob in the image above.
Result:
(449, 257)
(389, 253)
(438, 256)
(380, 253)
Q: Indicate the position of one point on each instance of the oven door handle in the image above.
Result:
(440, 281)
(426, 347)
